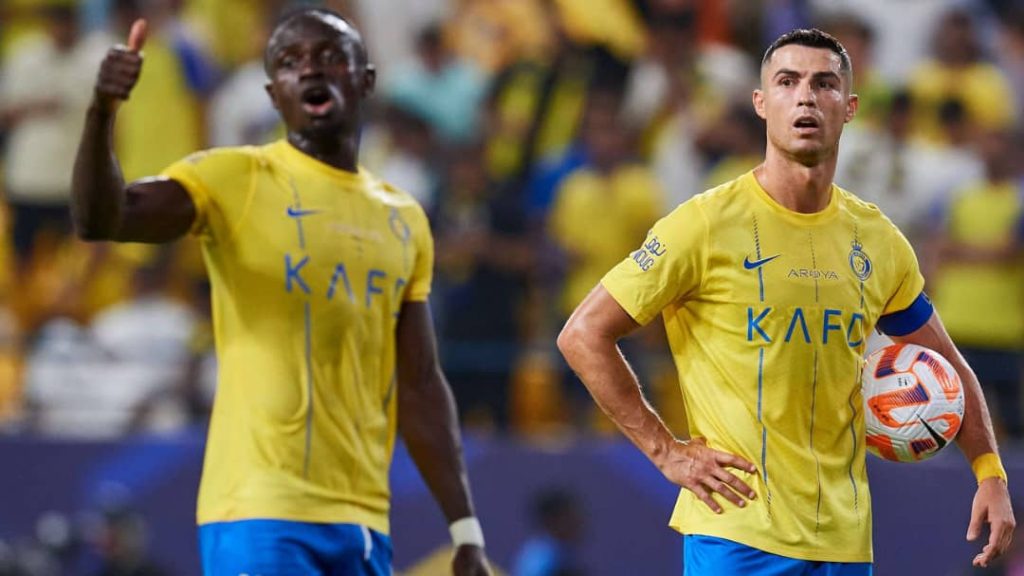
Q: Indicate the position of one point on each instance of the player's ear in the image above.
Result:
(369, 79)
(269, 87)
(758, 99)
(852, 104)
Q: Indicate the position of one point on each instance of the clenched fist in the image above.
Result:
(120, 69)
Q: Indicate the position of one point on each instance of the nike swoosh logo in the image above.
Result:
(299, 212)
(758, 263)
(935, 435)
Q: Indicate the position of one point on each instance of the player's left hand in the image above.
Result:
(470, 561)
(992, 505)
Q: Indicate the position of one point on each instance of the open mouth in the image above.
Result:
(317, 101)
(806, 124)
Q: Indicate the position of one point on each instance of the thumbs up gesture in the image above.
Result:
(120, 69)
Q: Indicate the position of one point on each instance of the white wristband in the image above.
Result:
(467, 532)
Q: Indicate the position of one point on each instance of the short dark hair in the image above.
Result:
(292, 14)
(812, 38)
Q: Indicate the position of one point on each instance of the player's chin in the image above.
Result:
(319, 127)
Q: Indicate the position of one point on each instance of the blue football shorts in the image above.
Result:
(710, 556)
(285, 548)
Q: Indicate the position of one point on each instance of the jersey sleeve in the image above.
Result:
(907, 308)
(668, 266)
(423, 268)
(207, 174)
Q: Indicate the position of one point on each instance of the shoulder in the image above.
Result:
(861, 210)
(723, 199)
(237, 158)
(402, 204)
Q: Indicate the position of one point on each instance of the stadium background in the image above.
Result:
(503, 117)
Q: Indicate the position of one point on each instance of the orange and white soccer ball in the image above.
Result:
(914, 402)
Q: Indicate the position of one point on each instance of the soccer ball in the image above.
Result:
(914, 402)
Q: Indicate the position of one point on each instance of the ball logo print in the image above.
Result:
(914, 402)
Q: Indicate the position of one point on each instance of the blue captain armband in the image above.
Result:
(906, 321)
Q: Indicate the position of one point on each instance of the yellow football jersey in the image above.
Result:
(309, 266)
(767, 311)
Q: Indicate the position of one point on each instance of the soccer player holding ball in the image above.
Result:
(320, 274)
(769, 286)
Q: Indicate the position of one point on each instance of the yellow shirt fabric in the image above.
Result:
(596, 219)
(767, 312)
(982, 303)
(308, 266)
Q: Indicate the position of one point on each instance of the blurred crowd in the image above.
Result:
(543, 137)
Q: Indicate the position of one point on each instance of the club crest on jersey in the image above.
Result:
(859, 262)
(398, 226)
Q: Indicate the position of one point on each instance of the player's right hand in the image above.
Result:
(703, 471)
(120, 69)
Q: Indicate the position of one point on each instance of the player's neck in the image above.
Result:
(341, 153)
(796, 187)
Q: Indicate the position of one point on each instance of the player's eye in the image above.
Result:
(288, 61)
(786, 82)
(331, 57)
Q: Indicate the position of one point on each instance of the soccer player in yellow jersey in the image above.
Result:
(768, 286)
(320, 275)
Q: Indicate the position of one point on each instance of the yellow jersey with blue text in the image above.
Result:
(309, 266)
(767, 312)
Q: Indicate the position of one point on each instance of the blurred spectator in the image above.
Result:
(163, 121)
(547, 176)
(390, 27)
(41, 103)
(906, 178)
(553, 550)
(958, 71)
(904, 30)
(120, 376)
(534, 106)
(614, 25)
(675, 67)
(439, 86)
(980, 284)
(601, 212)
(240, 111)
(497, 33)
(401, 150)
(1010, 53)
(482, 261)
(737, 143)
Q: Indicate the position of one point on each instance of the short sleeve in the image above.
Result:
(667, 267)
(189, 172)
(423, 268)
(908, 283)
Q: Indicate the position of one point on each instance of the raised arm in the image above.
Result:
(589, 344)
(102, 206)
(428, 423)
(978, 444)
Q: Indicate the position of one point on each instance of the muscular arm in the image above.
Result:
(102, 206)
(992, 500)
(430, 428)
(426, 413)
(589, 344)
